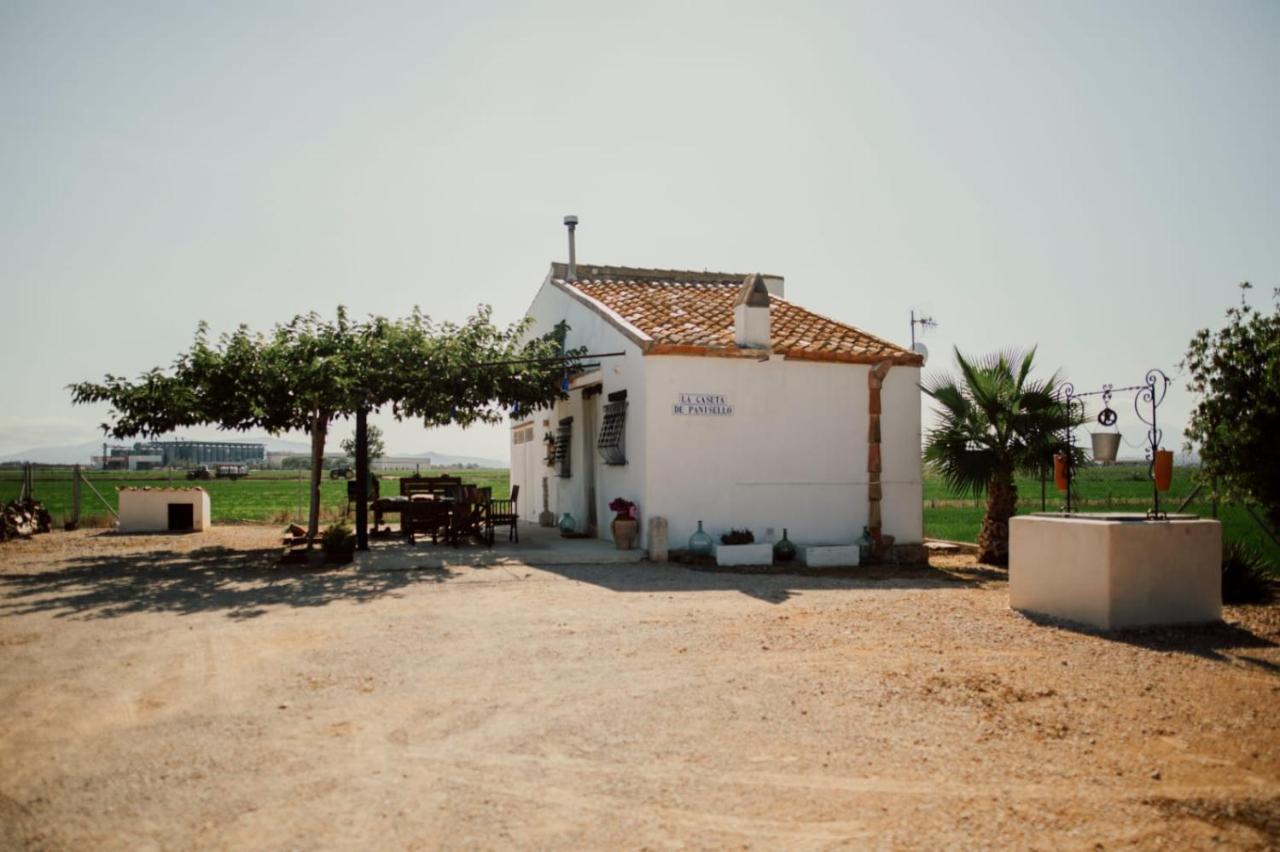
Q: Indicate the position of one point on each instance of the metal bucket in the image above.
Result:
(1105, 446)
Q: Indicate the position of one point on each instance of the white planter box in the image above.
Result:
(148, 510)
(760, 553)
(830, 555)
(1111, 573)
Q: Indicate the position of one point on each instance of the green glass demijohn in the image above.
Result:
(784, 550)
(700, 542)
(864, 546)
(567, 523)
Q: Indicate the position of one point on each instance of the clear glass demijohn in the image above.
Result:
(700, 542)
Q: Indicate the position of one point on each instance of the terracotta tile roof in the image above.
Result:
(677, 312)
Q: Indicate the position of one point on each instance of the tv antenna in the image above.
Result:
(924, 322)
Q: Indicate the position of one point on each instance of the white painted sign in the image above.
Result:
(713, 404)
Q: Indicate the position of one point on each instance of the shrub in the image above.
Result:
(1235, 373)
(1245, 575)
(737, 537)
(337, 538)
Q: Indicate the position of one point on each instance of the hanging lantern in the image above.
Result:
(1060, 471)
(1163, 469)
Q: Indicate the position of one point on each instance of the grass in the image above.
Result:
(272, 496)
(958, 517)
(275, 496)
(1113, 485)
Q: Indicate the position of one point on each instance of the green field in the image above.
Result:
(281, 497)
(272, 496)
(1126, 488)
(1096, 487)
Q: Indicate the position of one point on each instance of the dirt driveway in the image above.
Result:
(170, 692)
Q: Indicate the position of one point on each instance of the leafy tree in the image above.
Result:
(1235, 425)
(377, 449)
(993, 421)
(309, 371)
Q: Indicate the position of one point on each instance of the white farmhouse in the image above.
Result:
(732, 406)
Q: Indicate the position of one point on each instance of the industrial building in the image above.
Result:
(179, 452)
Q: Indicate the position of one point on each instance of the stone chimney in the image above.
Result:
(751, 314)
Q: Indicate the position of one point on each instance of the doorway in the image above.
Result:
(590, 412)
(182, 517)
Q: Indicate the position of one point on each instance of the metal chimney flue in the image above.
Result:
(571, 222)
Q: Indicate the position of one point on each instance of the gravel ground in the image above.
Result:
(176, 691)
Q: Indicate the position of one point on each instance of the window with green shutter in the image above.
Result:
(611, 443)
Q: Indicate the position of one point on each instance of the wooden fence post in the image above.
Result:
(98, 494)
(75, 499)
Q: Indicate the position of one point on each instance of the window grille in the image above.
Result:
(563, 434)
(611, 443)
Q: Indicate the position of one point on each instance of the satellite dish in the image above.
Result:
(921, 350)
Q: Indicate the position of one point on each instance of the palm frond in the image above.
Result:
(1025, 370)
(997, 417)
(944, 390)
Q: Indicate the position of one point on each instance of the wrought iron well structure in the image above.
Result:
(1146, 401)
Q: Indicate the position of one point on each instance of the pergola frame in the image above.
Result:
(362, 440)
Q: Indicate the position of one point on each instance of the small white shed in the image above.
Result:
(145, 510)
(732, 405)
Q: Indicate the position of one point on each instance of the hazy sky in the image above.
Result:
(1094, 178)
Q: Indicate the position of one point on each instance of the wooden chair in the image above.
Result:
(415, 486)
(470, 514)
(503, 513)
(424, 517)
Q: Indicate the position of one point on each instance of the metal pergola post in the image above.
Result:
(362, 479)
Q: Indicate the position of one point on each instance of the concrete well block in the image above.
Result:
(1112, 572)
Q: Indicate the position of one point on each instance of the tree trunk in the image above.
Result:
(319, 426)
(1002, 502)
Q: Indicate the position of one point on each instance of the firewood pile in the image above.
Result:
(23, 519)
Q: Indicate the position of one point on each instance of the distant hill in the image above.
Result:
(446, 460)
(73, 454)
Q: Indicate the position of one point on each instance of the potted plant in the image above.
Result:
(338, 544)
(739, 547)
(625, 525)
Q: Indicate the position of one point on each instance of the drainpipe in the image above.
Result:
(875, 381)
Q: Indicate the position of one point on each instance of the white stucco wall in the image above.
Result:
(527, 465)
(793, 454)
(902, 501)
(147, 509)
(590, 330)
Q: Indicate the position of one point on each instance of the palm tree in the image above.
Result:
(995, 421)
